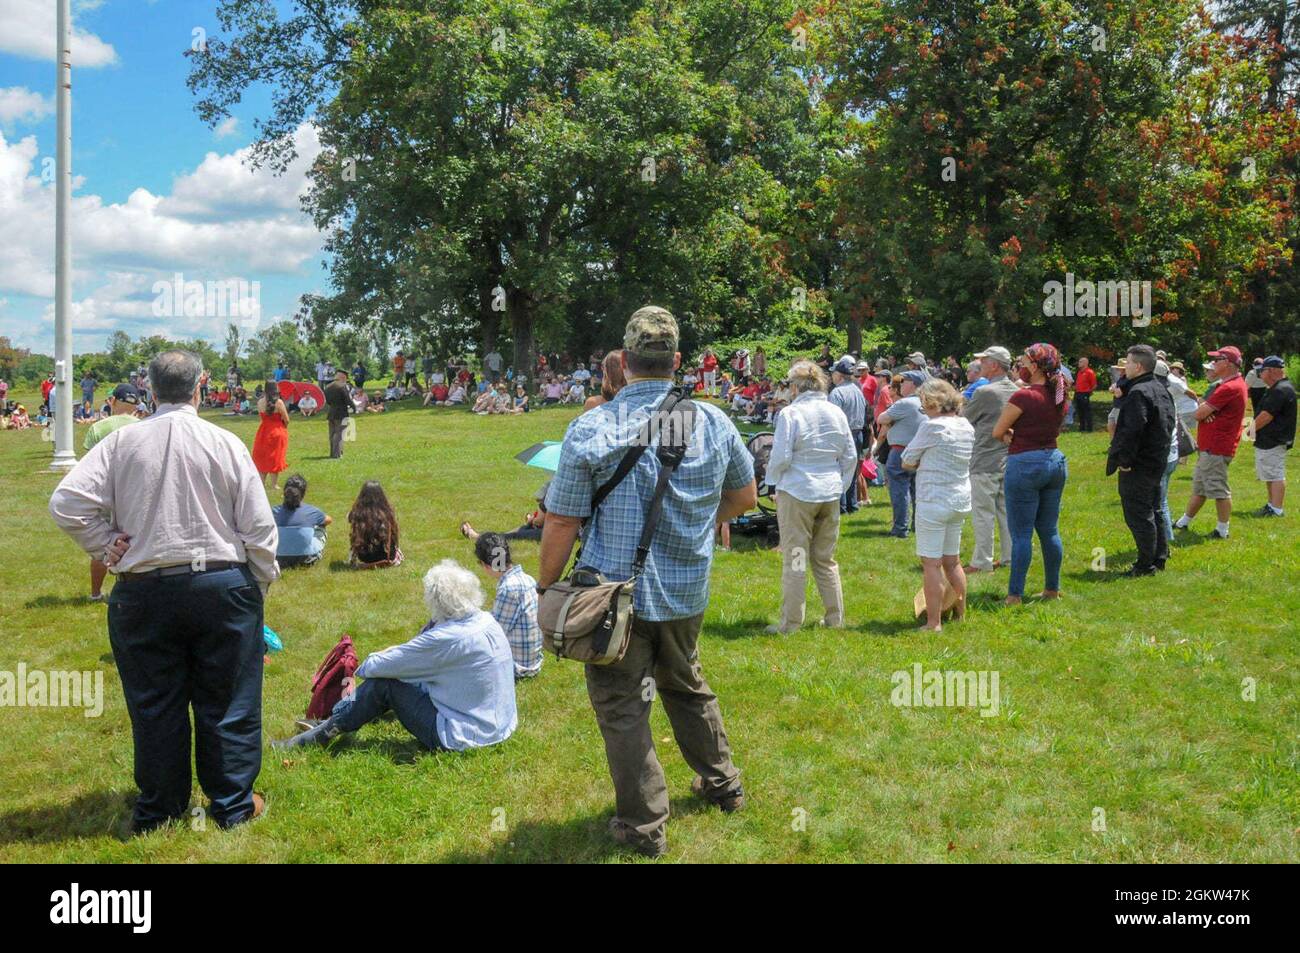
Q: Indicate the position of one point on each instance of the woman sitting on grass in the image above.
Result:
(301, 526)
(375, 405)
(374, 531)
(452, 686)
(521, 400)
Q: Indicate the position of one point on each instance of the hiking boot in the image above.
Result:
(1135, 571)
(1267, 511)
(625, 837)
(726, 803)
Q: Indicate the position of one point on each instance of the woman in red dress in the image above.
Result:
(271, 445)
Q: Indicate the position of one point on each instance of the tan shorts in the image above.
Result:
(1210, 478)
(1270, 465)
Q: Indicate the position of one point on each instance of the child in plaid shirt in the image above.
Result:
(515, 607)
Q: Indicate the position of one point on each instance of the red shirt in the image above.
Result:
(439, 391)
(1222, 432)
(1039, 421)
(1086, 381)
(46, 387)
(710, 362)
(869, 386)
(884, 398)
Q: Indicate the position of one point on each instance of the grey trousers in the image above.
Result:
(337, 427)
(988, 512)
(661, 661)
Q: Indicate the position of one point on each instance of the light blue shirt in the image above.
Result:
(972, 387)
(675, 583)
(907, 416)
(848, 398)
(465, 667)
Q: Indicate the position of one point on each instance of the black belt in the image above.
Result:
(184, 569)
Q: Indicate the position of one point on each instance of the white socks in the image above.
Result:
(1221, 529)
(1183, 522)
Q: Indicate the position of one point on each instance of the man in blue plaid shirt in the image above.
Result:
(515, 607)
(715, 482)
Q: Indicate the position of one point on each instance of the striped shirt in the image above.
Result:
(942, 446)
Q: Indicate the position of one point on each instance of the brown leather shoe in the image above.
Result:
(259, 807)
(726, 803)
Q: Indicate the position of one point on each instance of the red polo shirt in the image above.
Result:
(1086, 381)
(1222, 432)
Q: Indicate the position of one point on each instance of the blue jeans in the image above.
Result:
(849, 498)
(1164, 498)
(374, 696)
(192, 641)
(1034, 483)
(900, 491)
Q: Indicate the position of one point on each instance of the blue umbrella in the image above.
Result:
(544, 455)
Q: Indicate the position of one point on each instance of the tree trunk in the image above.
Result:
(855, 334)
(522, 309)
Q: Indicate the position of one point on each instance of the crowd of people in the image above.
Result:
(949, 441)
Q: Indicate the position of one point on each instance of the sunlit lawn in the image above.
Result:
(1125, 698)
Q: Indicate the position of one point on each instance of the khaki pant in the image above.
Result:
(808, 535)
(988, 510)
(661, 660)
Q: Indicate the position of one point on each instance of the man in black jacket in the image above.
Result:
(338, 398)
(1139, 450)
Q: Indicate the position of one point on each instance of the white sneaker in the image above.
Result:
(778, 629)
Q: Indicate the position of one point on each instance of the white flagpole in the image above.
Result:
(64, 456)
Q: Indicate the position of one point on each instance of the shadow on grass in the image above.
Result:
(582, 840)
(91, 815)
(739, 629)
(53, 602)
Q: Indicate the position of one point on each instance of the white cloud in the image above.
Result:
(20, 104)
(30, 30)
(227, 127)
(221, 218)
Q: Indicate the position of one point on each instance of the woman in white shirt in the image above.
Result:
(940, 454)
(813, 459)
(1184, 397)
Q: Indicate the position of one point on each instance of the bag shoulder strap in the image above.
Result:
(677, 423)
(633, 456)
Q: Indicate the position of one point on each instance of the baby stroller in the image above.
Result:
(762, 521)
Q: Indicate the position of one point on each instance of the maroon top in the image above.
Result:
(1039, 421)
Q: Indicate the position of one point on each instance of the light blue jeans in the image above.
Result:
(1034, 484)
(1164, 498)
(901, 483)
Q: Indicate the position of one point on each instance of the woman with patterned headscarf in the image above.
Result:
(1036, 470)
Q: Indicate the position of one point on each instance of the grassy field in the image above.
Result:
(1125, 697)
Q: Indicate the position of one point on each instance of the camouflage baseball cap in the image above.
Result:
(650, 331)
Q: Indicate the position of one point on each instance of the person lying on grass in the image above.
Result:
(452, 686)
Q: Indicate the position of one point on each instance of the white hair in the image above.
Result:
(451, 591)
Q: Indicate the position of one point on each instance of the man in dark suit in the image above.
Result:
(338, 398)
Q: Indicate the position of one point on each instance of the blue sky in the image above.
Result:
(157, 192)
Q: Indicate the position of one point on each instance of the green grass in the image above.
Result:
(1125, 696)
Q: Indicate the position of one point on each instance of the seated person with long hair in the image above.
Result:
(301, 526)
(452, 686)
(374, 531)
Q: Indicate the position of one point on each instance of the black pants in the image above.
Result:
(182, 642)
(1139, 495)
(849, 498)
(337, 428)
(1083, 411)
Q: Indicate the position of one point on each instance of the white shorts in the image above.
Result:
(710, 379)
(938, 530)
(1270, 465)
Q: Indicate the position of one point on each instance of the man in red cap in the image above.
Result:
(1220, 417)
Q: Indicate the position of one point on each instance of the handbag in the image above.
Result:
(586, 617)
(327, 683)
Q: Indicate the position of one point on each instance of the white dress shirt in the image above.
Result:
(182, 488)
(943, 446)
(813, 456)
